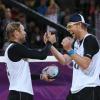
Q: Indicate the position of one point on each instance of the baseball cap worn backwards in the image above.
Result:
(75, 18)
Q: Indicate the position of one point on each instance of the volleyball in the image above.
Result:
(52, 71)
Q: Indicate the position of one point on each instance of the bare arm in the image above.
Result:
(63, 59)
(83, 62)
(91, 47)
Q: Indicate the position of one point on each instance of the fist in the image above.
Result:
(67, 43)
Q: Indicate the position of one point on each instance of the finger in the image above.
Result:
(54, 38)
(45, 38)
(45, 35)
(49, 34)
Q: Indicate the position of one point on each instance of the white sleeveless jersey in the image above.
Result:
(18, 74)
(89, 77)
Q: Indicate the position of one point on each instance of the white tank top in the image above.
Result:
(89, 77)
(18, 74)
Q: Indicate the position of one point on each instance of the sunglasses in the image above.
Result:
(69, 25)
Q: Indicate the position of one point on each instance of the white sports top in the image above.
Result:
(89, 77)
(18, 74)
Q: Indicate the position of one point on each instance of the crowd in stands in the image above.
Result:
(54, 11)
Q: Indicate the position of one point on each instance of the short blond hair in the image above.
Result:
(11, 27)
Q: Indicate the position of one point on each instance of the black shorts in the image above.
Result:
(88, 93)
(15, 95)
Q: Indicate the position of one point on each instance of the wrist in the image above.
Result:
(49, 44)
(71, 52)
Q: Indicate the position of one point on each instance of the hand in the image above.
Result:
(67, 43)
(45, 39)
(45, 77)
(51, 37)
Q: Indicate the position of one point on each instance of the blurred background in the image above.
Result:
(57, 11)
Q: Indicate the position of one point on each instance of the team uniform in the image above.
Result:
(86, 83)
(18, 70)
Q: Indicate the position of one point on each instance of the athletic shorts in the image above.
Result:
(88, 93)
(15, 95)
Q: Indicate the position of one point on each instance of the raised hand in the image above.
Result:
(67, 43)
(49, 37)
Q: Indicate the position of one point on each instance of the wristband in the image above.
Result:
(71, 52)
(49, 44)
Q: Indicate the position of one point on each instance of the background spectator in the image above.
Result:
(57, 11)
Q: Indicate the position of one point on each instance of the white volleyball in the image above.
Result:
(52, 71)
